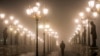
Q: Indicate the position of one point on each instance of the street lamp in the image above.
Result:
(2, 16)
(6, 22)
(35, 13)
(77, 21)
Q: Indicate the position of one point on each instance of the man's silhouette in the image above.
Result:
(62, 46)
(93, 33)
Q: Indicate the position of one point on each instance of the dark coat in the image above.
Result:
(62, 46)
(93, 31)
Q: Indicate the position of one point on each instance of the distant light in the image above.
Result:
(45, 11)
(38, 4)
(78, 28)
(15, 32)
(11, 29)
(20, 26)
(6, 21)
(41, 27)
(95, 14)
(79, 25)
(57, 43)
(98, 7)
(16, 22)
(84, 21)
(2, 16)
(76, 20)
(50, 29)
(29, 11)
(47, 26)
(88, 9)
(41, 40)
(81, 14)
(11, 17)
(91, 3)
(35, 9)
(25, 29)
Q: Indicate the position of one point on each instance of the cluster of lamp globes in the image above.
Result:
(36, 10)
(47, 28)
(14, 26)
(91, 12)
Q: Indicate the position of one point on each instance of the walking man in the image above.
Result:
(62, 47)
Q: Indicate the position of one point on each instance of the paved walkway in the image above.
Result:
(67, 53)
(28, 54)
(56, 53)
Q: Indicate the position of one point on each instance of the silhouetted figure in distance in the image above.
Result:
(62, 47)
(93, 33)
(5, 35)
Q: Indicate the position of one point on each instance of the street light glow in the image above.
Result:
(28, 11)
(41, 27)
(79, 25)
(35, 9)
(41, 40)
(78, 28)
(98, 7)
(95, 14)
(11, 17)
(81, 14)
(47, 26)
(88, 9)
(45, 11)
(57, 43)
(11, 29)
(85, 21)
(20, 26)
(76, 20)
(16, 22)
(25, 29)
(6, 22)
(2, 16)
(38, 4)
(50, 30)
(91, 3)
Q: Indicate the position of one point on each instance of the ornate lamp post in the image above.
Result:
(35, 13)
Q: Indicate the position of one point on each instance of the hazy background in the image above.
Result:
(61, 14)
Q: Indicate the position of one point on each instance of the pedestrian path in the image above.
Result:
(28, 54)
(54, 54)
(67, 53)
